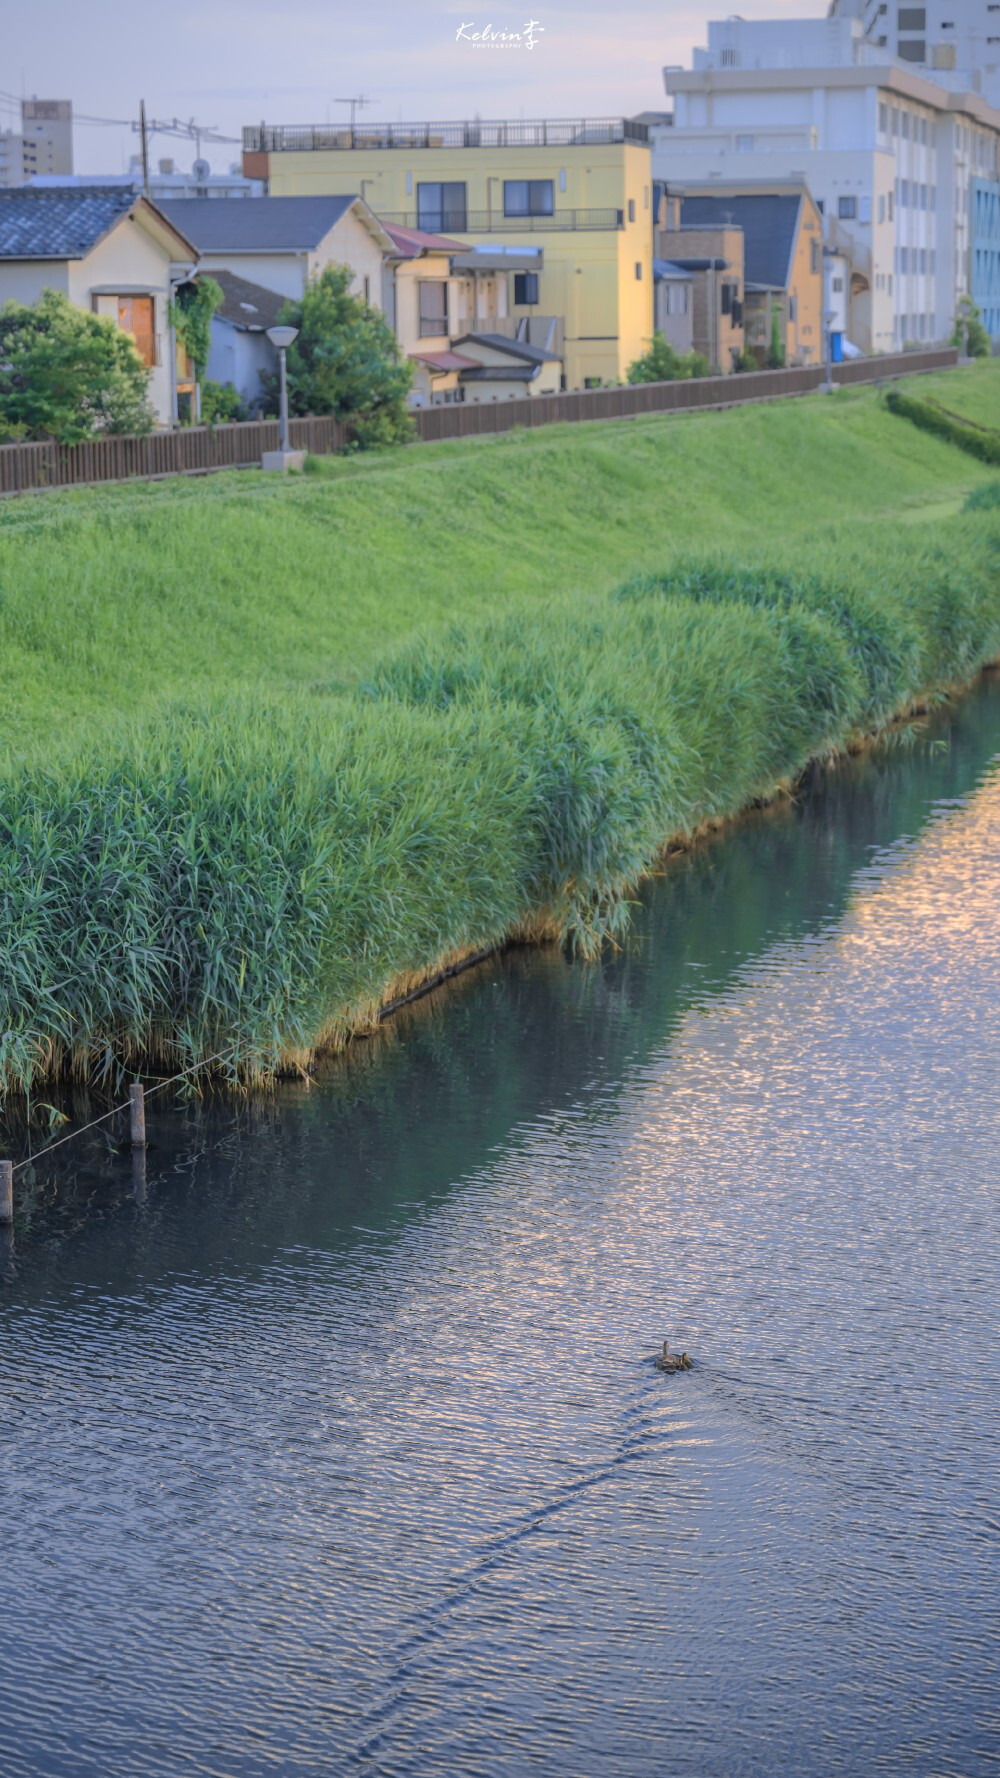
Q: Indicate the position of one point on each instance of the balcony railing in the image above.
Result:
(587, 132)
(494, 222)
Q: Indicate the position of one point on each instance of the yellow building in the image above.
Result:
(581, 188)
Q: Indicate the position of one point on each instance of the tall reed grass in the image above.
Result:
(259, 875)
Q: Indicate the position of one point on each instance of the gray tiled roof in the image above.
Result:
(768, 220)
(59, 224)
(262, 225)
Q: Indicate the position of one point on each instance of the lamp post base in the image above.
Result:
(283, 460)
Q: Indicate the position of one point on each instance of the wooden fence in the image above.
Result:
(198, 449)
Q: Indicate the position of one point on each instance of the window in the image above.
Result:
(891, 202)
(904, 125)
(744, 144)
(883, 118)
(847, 208)
(729, 58)
(923, 197)
(904, 193)
(135, 317)
(837, 285)
(923, 262)
(368, 288)
(864, 208)
(881, 207)
(912, 49)
(645, 197)
(638, 269)
(528, 197)
(442, 207)
(631, 209)
(793, 308)
(433, 297)
(889, 283)
(562, 178)
(677, 299)
(814, 256)
(525, 287)
(903, 259)
(912, 18)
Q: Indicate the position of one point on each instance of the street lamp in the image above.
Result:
(281, 338)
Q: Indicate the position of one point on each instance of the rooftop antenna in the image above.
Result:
(357, 102)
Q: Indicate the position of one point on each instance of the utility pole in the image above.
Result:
(144, 143)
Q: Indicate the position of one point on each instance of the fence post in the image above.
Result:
(138, 1111)
(6, 1193)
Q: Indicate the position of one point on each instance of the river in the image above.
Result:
(335, 1446)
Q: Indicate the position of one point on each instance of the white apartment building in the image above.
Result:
(44, 143)
(956, 41)
(888, 154)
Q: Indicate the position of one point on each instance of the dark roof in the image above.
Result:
(514, 348)
(59, 224)
(501, 373)
(671, 268)
(262, 225)
(769, 221)
(245, 305)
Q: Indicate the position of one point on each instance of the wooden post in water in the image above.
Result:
(6, 1192)
(138, 1111)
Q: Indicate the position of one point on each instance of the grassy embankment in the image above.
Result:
(214, 838)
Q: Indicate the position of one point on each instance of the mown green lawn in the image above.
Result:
(114, 602)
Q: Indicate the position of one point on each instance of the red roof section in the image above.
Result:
(411, 242)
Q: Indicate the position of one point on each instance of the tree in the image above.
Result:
(969, 330)
(65, 374)
(662, 364)
(776, 350)
(346, 362)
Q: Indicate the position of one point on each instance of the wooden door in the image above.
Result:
(135, 317)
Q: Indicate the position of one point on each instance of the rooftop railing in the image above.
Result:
(494, 222)
(588, 132)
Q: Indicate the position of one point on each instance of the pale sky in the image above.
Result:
(233, 62)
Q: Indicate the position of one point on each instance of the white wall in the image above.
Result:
(22, 281)
(350, 243)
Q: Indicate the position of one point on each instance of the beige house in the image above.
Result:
(450, 305)
(111, 252)
(280, 243)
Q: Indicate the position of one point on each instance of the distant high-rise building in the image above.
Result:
(44, 143)
(957, 42)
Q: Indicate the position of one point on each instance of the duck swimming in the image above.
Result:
(672, 1361)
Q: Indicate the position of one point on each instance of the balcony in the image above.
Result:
(589, 132)
(494, 222)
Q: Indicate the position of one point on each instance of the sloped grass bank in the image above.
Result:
(119, 601)
(257, 877)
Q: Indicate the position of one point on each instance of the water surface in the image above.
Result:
(336, 1447)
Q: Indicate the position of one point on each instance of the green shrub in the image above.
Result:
(979, 441)
(65, 374)
(983, 499)
(663, 364)
(221, 402)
